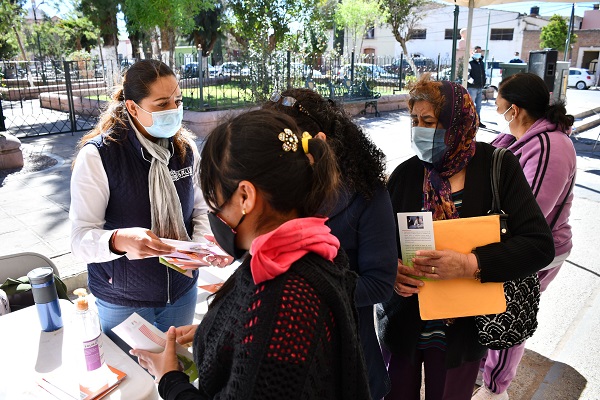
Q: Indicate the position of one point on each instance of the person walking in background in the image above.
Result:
(476, 80)
(450, 176)
(362, 219)
(517, 59)
(538, 134)
(284, 325)
(132, 183)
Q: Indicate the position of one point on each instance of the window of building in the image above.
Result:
(448, 34)
(501, 34)
(370, 34)
(418, 33)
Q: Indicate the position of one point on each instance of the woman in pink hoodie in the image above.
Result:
(539, 137)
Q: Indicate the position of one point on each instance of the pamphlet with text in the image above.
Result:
(140, 334)
(416, 233)
(190, 256)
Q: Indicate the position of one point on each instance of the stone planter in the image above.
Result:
(11, 155)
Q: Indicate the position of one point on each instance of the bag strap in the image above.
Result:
(555, 219)
(497, 157)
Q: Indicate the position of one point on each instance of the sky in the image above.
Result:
(546, 8)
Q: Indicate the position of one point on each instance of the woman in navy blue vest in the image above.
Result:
(132, 184)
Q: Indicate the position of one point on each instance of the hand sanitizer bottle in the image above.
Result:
(90, 334)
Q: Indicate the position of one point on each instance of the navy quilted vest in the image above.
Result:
(138, 283)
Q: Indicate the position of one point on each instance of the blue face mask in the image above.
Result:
(476, 56)
(428, 143)
(165, 124)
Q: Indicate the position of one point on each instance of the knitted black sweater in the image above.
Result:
(292, 337)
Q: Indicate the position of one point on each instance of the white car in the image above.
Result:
(581, 78)
(233, 68)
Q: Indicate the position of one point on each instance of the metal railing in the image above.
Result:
(67, 96)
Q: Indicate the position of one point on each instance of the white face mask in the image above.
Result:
(165, 124)
(502, 122)
(428, 143)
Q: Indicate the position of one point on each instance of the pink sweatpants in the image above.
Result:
(500, 366)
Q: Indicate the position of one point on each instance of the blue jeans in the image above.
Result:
(475, 94)
(177, 314)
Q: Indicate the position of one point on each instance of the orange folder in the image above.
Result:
(462, 297)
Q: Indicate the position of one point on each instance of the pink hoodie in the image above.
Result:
(549, 163)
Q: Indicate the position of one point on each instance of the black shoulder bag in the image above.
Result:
(519, 321)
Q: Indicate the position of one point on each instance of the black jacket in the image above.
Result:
(477, 72)
(529, 248)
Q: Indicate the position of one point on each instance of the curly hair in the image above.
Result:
(427, 90)
(361, 163)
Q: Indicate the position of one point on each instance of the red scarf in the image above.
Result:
(273, 253)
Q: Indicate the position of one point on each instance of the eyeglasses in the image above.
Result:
(289, 101)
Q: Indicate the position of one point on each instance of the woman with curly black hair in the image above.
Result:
(361, 218)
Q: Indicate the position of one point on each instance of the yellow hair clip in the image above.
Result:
(305, 138)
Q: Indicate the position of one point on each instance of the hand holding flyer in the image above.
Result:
(192, 255)
(416, 233)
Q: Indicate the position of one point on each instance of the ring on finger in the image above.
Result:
(433, 270)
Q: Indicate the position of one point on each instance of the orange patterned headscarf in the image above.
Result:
(459, 118)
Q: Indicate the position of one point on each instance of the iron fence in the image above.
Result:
(68, 96)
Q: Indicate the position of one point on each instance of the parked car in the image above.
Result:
(423, 64)
(233, 68)
(581, 78)
(304, 70)
(190, 70)
(365, 71)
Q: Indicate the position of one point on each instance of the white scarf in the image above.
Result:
(165, 206)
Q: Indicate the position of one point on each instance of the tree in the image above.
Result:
(403, 16)
(357, 16)
(554, 35)
(262, 24)
(103, 15)
(79, 32)
(11, 18)
(170, 16)
(207, 29)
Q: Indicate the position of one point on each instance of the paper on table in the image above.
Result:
(462, 297)
(66, 388)
(140, 334)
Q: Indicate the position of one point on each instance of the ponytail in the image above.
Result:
(557, 114)
(113, 116)
(530, 92)
(325, 179)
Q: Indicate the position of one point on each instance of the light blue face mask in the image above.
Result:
(165, 124)
(476, 56)
(428, 143)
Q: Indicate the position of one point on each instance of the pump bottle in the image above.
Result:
(90, 335)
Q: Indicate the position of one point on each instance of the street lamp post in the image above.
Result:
(33, 7)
